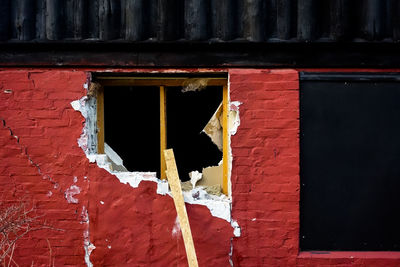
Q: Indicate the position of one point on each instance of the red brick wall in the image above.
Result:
(133, 227)
(265, 174)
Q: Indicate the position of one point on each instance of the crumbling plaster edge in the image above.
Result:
(219, 206)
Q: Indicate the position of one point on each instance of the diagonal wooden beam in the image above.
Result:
(176, 190)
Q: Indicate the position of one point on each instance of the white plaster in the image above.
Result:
(234, 117)
(75, 179)
(254, 219)
(87, 245)
(49, 194)
(219, 206)
(76, 105)
(109, 247)
(176, 230)
(236, 228)
(114, 157)
(194, 177)
(101, 202)
(70, 193)
(231, 253)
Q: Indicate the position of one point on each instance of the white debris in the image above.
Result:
(194, 177)
(219, 206)
(113, 155)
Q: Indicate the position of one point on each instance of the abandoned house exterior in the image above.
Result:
(283, 115)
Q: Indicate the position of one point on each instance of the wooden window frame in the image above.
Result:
(163, 83)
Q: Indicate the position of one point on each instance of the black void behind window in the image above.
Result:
(132, 126)
(187, 115)
(350, 162)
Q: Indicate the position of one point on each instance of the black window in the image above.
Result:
(350, 161)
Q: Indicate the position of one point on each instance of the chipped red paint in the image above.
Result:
(40, 160)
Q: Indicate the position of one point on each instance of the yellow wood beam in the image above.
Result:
(225, 139)
(176, 190)
(163, 131)
(152, 81)
(100, 120)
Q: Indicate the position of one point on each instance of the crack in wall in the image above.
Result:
(87, 245)
(24, 150)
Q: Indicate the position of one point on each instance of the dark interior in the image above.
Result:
(187, 114)
(132, 127)
(350, 165)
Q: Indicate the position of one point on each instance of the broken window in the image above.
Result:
(139, 117)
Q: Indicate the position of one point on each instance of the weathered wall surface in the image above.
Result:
(40, 162)
(265, 174)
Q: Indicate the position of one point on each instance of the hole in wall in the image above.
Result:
(132, 127)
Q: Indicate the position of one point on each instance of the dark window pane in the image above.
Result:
(350, 165)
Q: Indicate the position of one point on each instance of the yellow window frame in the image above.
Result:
(163, 83)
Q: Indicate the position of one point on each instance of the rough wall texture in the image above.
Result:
(265, 174)
(41, 163)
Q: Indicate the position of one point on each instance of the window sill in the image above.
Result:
(349, 254)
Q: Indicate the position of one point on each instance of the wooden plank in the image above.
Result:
(176, 190)
(163, 131)
(100, 120)
(225, 140)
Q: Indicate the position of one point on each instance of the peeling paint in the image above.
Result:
(219, 206)
(234, 119)
(70, 193)
(87, 245)
(176, 230)
(236, 228)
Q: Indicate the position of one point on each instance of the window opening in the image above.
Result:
(139, 117)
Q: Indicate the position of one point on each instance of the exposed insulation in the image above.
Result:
(214, 128)
(195, 84)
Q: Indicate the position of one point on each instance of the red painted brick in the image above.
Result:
(137, 223)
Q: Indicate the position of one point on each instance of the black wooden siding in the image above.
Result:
(200, 20)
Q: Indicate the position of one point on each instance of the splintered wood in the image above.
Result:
(176, 190)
